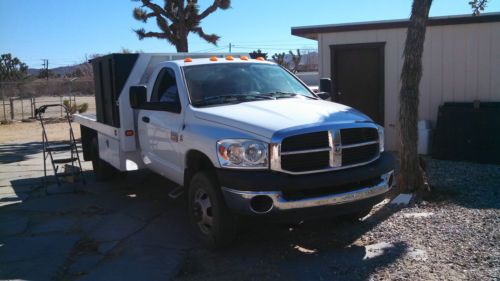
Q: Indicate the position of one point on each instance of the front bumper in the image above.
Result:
(338, 189)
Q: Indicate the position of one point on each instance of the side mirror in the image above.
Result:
(137, 96)
(325, 85)
(323, 95)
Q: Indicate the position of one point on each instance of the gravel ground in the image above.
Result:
(451, 235)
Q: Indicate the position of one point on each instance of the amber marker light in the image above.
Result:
(260, 58)
(243, 58)
(129, 133)
(229, 58)
(188, 60)
(213, 58)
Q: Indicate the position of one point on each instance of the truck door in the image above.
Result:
(159, 123)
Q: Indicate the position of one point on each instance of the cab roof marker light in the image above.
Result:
(229, 58)
(243, 58)
(188, 60)
(260, 58)
(213, 58)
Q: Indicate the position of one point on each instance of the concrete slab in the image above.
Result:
(171, 230)
(13, 224)
(84, 264)
(53, 224)
(402, 199)
(105, 247)
(115, 227)
(35, 258)
(138, 263)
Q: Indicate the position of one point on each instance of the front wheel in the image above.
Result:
(210, 218)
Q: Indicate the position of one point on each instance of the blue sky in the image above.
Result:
(65, 31)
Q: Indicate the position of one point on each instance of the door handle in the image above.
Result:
(145, 119)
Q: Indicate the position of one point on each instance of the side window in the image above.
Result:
(165, 88)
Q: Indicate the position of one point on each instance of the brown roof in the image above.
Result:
(312, 31)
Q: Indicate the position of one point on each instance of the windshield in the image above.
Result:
(212, 84)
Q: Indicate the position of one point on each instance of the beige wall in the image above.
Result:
(460, 63)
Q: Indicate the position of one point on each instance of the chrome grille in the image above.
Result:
(326, 150)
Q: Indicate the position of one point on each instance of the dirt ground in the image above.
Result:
(32, 131)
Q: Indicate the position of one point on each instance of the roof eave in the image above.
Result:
(311, 32)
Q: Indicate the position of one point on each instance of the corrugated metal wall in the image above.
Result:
(461, 63)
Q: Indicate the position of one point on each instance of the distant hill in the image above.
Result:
(62, 70)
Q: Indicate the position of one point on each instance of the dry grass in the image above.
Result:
(21, 132)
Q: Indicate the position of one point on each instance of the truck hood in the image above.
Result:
(269, 116)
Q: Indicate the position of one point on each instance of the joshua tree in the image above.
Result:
(176, 19)
(411, 177)
(258, 53)
(279, 58)
(11, 68)
(296, 60)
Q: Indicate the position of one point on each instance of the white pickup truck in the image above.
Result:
(243, 137)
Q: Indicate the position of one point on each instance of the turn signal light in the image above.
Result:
(229, 58)
(260, 58)
(243, 58)
(188, 60)
(213, 58)
(129, 133)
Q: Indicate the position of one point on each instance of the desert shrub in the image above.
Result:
(82, 107)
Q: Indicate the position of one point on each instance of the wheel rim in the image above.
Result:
(203, 211)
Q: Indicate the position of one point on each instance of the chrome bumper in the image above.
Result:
(241, 200)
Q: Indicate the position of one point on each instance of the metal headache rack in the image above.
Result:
(53, 150)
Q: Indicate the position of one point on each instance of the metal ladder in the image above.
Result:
(52, 149)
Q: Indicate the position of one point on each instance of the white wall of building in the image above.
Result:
(461, 63)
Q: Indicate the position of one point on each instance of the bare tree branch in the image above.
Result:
(222, 4)
(141, 33)
(211, 38)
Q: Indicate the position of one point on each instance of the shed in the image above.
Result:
(461, 63)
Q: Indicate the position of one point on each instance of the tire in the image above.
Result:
(102, 169)
(211, 220)
(356, 216)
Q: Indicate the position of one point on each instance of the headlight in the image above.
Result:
(241, 153)
(381, 137)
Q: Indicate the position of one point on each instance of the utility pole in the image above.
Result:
(229, 47)
(46, 67)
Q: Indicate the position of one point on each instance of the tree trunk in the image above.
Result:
(411, 176)
(182, 45)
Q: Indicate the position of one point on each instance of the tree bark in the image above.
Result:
(182, 45)
(411, 176)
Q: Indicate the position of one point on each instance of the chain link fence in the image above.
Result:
(20, 99)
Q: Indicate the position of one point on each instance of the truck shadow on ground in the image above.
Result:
(326, 249)
(126, 223)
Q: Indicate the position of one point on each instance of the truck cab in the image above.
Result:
(241, 137)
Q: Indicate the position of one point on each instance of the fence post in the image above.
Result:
(22, 109)
(32, 108)
(61, 102)
(34, 104)
(4, 113)
(11, 101)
